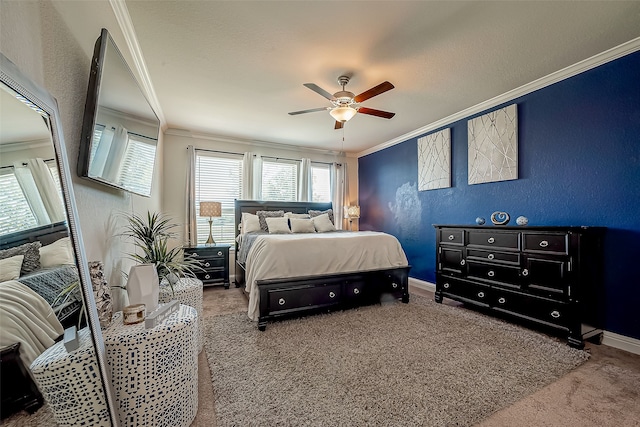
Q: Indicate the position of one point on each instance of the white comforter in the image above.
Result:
(26, 318)
(277, 256)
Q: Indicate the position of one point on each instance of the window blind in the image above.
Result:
(137, 168)
(15, 213)
(320, 183)
(280, 180)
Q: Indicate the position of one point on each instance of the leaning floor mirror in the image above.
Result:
(53, 357)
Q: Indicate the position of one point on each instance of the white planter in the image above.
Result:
(143, 286)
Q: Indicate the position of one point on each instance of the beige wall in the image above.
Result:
(36, 37)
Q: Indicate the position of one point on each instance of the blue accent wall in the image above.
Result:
(578, 164)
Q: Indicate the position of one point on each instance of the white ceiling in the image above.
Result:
(236, 68)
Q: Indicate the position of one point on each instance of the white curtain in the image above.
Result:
(113, 164)
(49, 193)
(96, 166)
(339, 192)
(31, 193)
(305, 193)
(190, 231)
(251, 176)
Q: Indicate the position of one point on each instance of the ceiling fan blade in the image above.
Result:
(338, 125)
(377, 113)
(374, 91)
(321, 91)
(293, 113)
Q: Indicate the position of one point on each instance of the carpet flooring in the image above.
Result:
(420, 363)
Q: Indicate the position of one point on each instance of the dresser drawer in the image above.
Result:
(507, 276)
(451, 236)
(547, 277)
(494, 239)
(467, 291)
(543, 242)
(493, 256)
(302, 296)
(451, 260)
(541, 309)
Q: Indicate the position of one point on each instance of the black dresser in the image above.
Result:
(550, 276)
(215, 262)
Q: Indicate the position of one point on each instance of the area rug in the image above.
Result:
(396, 364)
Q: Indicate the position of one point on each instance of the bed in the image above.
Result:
(33, 316)
(297, 274)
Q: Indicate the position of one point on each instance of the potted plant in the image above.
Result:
(150, 237)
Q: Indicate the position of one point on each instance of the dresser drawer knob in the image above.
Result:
(356, 291)
(463, 262)
(451, 237)
(555, 314)
(501, 300)
(195, 255)
(491, 273)
(394, 285)
(491, 240)
(481, 294)
(332, 294)
(219, 253)
(207, 276)
(491, 256)
(525, 272)
(446, 286)
(281, 301)
(544, 244)
(207, 264)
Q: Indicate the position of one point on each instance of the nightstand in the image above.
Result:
(215, 261)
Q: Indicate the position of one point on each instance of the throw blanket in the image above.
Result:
(26, 318)
(276, 256)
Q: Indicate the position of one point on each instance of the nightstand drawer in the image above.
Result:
(209, 263)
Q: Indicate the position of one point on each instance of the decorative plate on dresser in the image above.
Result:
(551, 276)
(215, 262)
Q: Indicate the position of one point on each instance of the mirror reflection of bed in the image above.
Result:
(37, 260)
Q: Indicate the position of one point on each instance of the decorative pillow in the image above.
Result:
(101, 293)
(329, 212)
(301, 225)
(262, 215)
(278, 225)
(59, 252)
(294, 215)
(250, 222)
(31, 252)
(10, 268)
(322, 223)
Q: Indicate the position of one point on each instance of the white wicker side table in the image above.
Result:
(70, 383)
(187, 291)
(154, 372)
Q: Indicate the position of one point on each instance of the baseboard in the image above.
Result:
(621, 342)
(611, 339)
(427, 286)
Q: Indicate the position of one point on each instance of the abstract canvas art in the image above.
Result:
(434, 160)
(493, 146)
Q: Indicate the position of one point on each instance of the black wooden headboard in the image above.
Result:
(45, 234)
(253, 206)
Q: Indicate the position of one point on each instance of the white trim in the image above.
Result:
(570, 71)
(621, 342)
(126, 26)
(421, 284)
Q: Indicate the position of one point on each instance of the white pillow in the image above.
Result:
(279, 225)
(301, 225)
(10, 268)
(250, 222)
(293, 215)
(322, 223)
(59, 252)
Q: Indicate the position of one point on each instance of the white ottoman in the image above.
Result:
(70, 383)
(187, 291)
(154, 372)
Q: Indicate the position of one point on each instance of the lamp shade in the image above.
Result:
(352, 212)
(343, 114)
(210, 209)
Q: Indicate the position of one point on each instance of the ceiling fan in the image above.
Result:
(345, 104)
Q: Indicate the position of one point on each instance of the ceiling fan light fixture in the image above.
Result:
(343, 114)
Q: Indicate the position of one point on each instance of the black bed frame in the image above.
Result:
(300, 296)
(18, 388)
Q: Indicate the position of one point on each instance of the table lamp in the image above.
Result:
(351, 213)
(210, 209)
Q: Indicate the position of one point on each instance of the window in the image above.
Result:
(137, 167)
(280, 180)
(320, 182)
(218, 179)
(15, 213)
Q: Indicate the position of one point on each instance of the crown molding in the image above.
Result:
(580, 67)
(126, 26)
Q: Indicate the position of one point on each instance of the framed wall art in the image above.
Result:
(434, 160)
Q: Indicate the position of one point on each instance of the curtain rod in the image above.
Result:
(265, 157)
(131, 133)
(24, 164)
